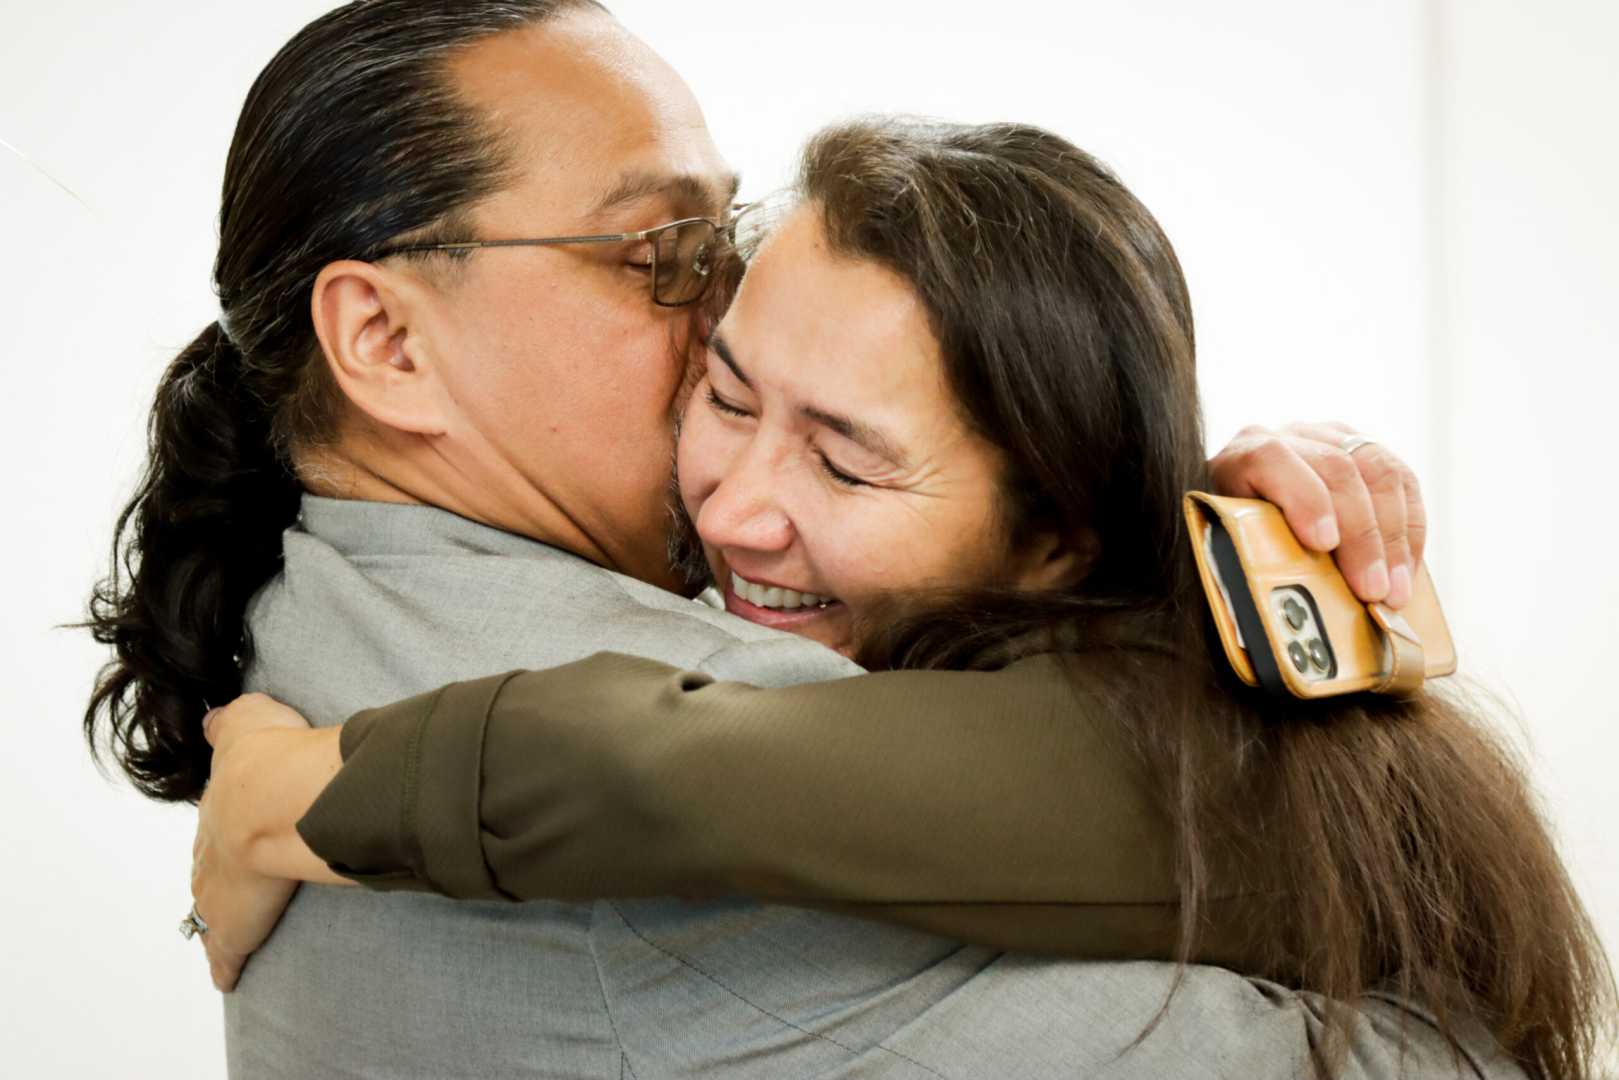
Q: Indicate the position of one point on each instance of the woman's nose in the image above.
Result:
(744, 511)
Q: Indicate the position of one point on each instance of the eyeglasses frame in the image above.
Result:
(721, 230)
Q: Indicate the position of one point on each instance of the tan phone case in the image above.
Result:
(1289, 621)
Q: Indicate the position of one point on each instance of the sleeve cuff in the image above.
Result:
(403, 812)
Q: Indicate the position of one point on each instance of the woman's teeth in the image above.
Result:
(772, 597)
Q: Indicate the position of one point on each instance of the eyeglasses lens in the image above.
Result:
(685, 261)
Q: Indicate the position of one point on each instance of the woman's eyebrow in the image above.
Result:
(723, 351)
(857, 432)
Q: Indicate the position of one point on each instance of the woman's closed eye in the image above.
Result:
(720, 405)
(837, 474)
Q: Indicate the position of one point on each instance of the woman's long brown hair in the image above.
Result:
(1378, 846)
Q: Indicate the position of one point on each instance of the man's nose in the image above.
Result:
(745, 510)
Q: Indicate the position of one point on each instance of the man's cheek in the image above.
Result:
(699, 455)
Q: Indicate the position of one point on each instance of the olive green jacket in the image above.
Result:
(997, 808)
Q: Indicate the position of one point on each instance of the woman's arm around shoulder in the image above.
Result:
(999, 807)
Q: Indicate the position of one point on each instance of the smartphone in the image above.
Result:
(1290, 623)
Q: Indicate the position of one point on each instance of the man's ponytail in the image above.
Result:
(336, 156)
(200, 536)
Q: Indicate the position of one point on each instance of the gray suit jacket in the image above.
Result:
(379, 602)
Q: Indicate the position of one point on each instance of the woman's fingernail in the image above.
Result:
(1377, 580)
(1399, 586)
(1326, 533)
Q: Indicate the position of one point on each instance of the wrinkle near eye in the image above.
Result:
(922, 482)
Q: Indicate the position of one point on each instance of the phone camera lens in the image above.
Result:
(1318, 655)
(1300, 658)
(1294, 612)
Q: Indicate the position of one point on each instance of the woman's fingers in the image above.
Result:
(1402, 519)
(1259, 464)
(224, 966)
(197, 840)
(1364, 506)
(1384, 477)
(250, 712)
(1416, 520)
(1362, 554)
(240, 906)
(212, 903)
(209, 900)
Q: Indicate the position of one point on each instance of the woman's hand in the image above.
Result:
(268, 767)
(1340, 493)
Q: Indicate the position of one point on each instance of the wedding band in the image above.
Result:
(1355, 442)
(192, 924)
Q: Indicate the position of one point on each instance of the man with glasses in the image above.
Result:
(680, 257)
(525, 375)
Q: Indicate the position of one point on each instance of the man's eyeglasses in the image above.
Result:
(684, 254)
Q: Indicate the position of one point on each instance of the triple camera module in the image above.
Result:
(1305, 641)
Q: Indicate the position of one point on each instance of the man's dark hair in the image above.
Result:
(350, 138)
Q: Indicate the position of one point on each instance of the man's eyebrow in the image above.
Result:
(683, 189)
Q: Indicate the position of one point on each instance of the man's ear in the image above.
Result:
(1054, 559)
(368, 321)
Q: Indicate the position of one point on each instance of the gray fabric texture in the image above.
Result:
(379, 602)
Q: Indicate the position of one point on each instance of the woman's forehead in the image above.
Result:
(810, 317)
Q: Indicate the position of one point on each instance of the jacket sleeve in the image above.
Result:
(983, 806)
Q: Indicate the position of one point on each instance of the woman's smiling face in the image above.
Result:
(823, 457)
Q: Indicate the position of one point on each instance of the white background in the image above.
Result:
(1400, 213)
